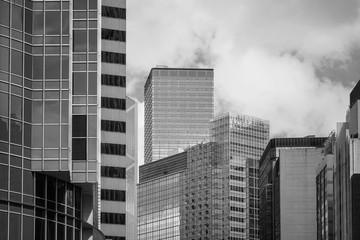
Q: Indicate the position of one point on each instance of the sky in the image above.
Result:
(292, 62)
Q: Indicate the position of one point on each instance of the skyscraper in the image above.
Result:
(63, 119)
(288, 188)
(178, 107)
(242, 140)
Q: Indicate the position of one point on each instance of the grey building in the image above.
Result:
(287, 186)
(325, 191)
(64, 168)
(179, 104)
(347, 172)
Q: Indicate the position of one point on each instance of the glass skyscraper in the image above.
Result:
(64, 168)
(242, 140)
(179, 104)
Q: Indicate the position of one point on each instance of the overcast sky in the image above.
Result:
(291, 62)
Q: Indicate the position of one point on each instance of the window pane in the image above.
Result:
(4, 14)
(80, 41)
(16, 107)
(64, 111)
(64, 136)
(37, 111)
(16, 62)
(52, 112)
(17, 17)
(38, 67)
(80, 4)
(15, 179)
(52, 136)
(4, 175)
(51, 230)
(27, 135)
(4, 129)
(28, 182)
(52, 23)
(79, 84)
(28, 21)
(92, 126)
(92, 84)
(28, 227)
(16, 133)
(92, 148)
(39, 229)
(15, 227)
(51, 188)
(38, 22)
(65, 22)
(65, 67)
(93, 40)
(27, 110)
(4, 58)
(28, 66)
(61, 192)
(52, 67)
(37, 138)
(4, 104)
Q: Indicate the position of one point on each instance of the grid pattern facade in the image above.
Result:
(178, 107)
(243, 140)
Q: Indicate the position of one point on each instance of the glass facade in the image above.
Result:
(243, 140)
(178, 108)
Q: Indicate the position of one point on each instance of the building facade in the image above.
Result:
(242, 140)
(347, 172)
(325, 191)
(287, 185)
(63, 120)
(179, 104)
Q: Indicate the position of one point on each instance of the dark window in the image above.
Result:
(15, 227)
(28, 226)
(113, 12)
(51, 188)
(79, 149)
(114, 149)
(111, 57)
(52, 23)
(4, 173)
(237, 209)
(79, 126)
(113, 195)
(4, 129)
(236, 188)
(4, 13)
(113, 80)
(237, 178)
(39, 229)
(114, 103)
(40, 185)
(115, 35)
(114, 238)
(17, 17)
(92, 40)
(113, 218)
(80, 40)
(16, 132)
(113, 126)
(113, 172)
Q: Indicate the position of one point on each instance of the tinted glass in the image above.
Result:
(4, 13)
(52, 112)
(28, 182)
(52, 23)
(15, 227)
(38, 67)
(28, 21)
(37, 108)
(4, 104)
(15, 179)
(51, 230)
(52, 136)
(4, 129)
(65, 67)
(16, 107)
(16, 62)
(39, 229)
(27, 110)
(52, 67)
(64, 111)
(38, 22)
(27, 135)
(93, 40)
(28, 66)
(80, 40)
(65, 23)
(36, 136)
(16, 132)
(92, 84)
(17, 17)
(79, 84)
(4, 175)
(28, 227)
(80, 5)
(4, 58)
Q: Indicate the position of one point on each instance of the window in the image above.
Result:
(113, 149)
(236, 229)
(113, 126)
(237, 209)
(113, 12)
(113, 172)
(111, 57)
(113, 195)
(237, 199)
(236, 188)
(237, 178)
(236, 219)
(113, 80)
(79, 149)
(115, 35)
(113, 218)
(114, 103)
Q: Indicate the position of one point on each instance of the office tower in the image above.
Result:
(181, 197)
(178, 107)
(288, 188)
(325, 191)
(242, 139)
(62, 120)
(347, 173)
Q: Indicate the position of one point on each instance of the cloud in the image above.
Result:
(292, 62)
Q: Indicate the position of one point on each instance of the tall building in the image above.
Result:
(179, 104)
(63, 154)
(181, 196)
(287, 187)
(325, 191)
(242, 140)
(347, 172)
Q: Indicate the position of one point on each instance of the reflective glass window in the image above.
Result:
(4, 13)
(37, 111)
(52, 23)
(113, 126)
(27, 110)
(28, 182)
(80, 40)
(51, 136)
(15, 179)
(80, 5)
(16, 107)
(15, 227)
(64, 136)
(38, 22)
(92, 84)
(92, 40)
(79, 83)
(28, 66)
(15, 132)
(64, 111)
(4, 58)
(52, 67)
(113, 218)
(38, 67)
(27, 135)
(92, 4)
(112, 57)
(65, 67)
(114, 35)
(28, 227)
(4, 129)
(17, 17)
(28, 21)
(113, 12)
(113, 172)
(52, 112)
(113, 195)
(114, 149)
(36, 136)
(65, 22)
(92, 126)
(16, 62)
(92, 148)
(4, 104)
(114, 103)
(4, 175)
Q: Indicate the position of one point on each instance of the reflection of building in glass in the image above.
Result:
(62, 109)
(243, 140)
(178, 107)
(325, 191)
(180, 197)
(347, 172)
(287, 185)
